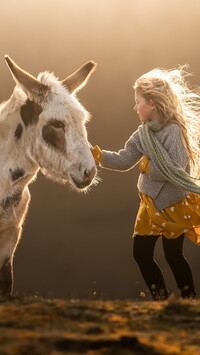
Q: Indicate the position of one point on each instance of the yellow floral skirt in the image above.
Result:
(182, 217)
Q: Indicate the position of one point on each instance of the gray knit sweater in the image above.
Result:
(162, 192)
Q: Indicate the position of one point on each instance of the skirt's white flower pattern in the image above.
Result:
(183, 217)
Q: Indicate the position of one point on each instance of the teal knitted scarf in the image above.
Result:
(170, 169)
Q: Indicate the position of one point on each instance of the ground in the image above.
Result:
(37, 326)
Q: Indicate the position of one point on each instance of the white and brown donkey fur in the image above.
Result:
(42, 126)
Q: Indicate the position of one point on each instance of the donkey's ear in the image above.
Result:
(30, 85)
(80, 77)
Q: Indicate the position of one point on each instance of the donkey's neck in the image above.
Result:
(17, 167)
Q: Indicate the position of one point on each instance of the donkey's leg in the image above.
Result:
(8, 243)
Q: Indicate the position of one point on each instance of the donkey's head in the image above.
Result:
(54, 121)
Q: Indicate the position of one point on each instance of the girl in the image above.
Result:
(166, 145)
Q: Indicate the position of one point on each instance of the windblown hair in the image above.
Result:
(175, 102)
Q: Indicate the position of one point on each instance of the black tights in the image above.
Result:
(143, 252)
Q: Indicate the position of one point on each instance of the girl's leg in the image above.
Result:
(173, 249)
(143, 252)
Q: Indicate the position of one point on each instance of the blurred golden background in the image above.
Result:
(77, 245)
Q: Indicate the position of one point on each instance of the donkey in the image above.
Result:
(42, 127)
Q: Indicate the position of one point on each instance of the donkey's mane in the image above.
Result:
(48, 78)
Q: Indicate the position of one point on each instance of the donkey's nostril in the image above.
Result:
(89, 174)
(86, 179)
(86, 173)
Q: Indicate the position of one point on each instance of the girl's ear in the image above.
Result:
(152, 104)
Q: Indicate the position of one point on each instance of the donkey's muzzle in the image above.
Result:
(86, 180)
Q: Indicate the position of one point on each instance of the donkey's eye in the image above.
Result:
(58, 124)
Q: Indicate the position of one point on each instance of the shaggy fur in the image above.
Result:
(38, 130)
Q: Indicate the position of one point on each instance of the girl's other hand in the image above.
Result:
(143, 164)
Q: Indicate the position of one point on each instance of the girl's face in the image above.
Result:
(144, 108)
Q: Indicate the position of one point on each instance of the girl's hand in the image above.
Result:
(143, 164)
(96, 152)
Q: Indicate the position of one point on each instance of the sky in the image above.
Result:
(76, 245)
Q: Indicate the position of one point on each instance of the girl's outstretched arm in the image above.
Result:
(122, 160)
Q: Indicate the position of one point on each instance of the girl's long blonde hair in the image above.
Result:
(175, 102)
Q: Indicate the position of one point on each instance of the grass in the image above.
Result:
(37, 326)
